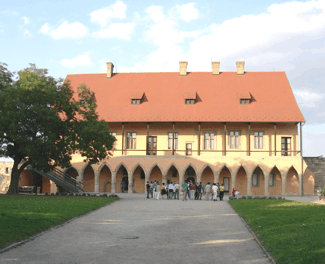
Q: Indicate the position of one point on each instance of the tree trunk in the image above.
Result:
(15, 174)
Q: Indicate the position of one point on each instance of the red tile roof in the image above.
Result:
(272, 99)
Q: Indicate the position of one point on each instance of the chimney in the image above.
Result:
(110, 67)
(240, 67)
(183, 68)
(216, 67)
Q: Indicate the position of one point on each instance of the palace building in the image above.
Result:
(237, 128)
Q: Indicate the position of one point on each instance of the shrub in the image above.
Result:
(244, 197)
(46, 193)
(249, 197)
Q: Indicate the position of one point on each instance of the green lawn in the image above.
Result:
(23, 216)
(292, 232)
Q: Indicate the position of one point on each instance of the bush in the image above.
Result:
(46, 193)
(244, 197)
(249, 197)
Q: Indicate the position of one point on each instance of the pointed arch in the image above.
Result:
(68, 168)
(241, 180)
(222, 167)
(121, 176)
(243, 167)
(173, 177)
(103, 165)
(225, 178)
(275, 181)
(136, 166)
(138, 178)
(89, 179)
(292, 181)
(258, 181)
(154, 165)
(85, 166)
(186, 171)
(207, 174)
(206, 166)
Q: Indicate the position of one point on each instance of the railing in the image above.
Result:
(62, 179)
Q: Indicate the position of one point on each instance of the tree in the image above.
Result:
(42, 122)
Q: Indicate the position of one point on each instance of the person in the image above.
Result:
(158, 188)
(196, 191)
(154, 189)
(199, 191)
(222, 191)
(185, 189)
(148, 189)
(151, 189)
(192, 191)
(233, 192)
(123, 186)
(188, 190)
(214, 191)
(163, 191)
(177, 187)
(207, 190)
(218, 185)
(170, 190)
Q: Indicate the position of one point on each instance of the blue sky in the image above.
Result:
(149, 36)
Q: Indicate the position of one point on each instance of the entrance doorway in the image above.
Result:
(152, 145)
(126, 180)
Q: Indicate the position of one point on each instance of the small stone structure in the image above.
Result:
(5, 174)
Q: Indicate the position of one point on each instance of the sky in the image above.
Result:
(68, 37)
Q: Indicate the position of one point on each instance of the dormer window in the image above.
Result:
(189, 101)
(244, 101)
(190, 98)
(136, 98)
(244, 98)
(135, 101)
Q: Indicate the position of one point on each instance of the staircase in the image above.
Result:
(62, 179)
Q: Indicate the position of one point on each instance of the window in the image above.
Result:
(188, 149)
(255, 179)
(258, 140)
(174, 173)
(285, 146)
(189, 101)
(272, 179)
(131, 140)
(7, 170)
(234, 139)
(142, 175)
(170, 140)
(209, 141)
(135, 101)
(244, 101)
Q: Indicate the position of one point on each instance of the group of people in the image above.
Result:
(193, 191)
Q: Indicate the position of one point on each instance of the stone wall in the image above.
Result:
(317, 166)
(5, 173)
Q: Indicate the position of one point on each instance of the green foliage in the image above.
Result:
(24, 216)
(293, 232)
(42, 122)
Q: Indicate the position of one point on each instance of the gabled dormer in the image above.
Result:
(190, 98)
(244, 98)
(136, 98)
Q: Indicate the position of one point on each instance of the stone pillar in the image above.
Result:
(181, 177)
(164, 178)
(80, 178)
(233, 181)
(249, 183)
(216, 177)
(284, 183)
(146, 179)
(97, 181)
(113, 182)
(300, 184)
(266, 184)
(130, 177)
(198, 177)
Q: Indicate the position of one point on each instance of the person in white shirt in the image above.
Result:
(215, 191)
(171, 190)
(176, 191)
(207, 191)
(158, 189)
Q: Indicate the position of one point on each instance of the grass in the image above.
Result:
(23, 216)
(292, 232)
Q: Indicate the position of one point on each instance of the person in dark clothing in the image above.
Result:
(199, 191)
(148, 189)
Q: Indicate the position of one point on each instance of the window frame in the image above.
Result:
(135, 101)
(257, 180)
(272, 178)
(234, 145)
(209, 143)
(170, 138)
(259, 145)
(244, 101)
(131, 142)
(287, 150)
(188, 151)
(190, 101)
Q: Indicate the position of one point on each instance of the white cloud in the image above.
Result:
(26, 20)
(308, 99)
(65, 31)
(102, 16)
(27, 33)
(79, 61)
(116, 30)
(155, 13)
(186, 12)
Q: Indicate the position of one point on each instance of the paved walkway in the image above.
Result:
(140, 230)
